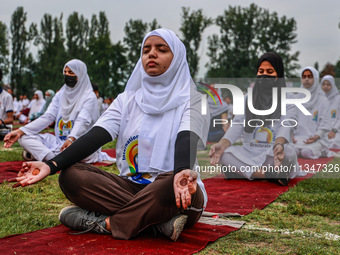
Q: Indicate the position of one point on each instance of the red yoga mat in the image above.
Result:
(243, 196)
(57, 241)
(240, 196)
(9, 169)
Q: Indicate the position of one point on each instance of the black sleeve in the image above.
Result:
(185, 150)
(81, 148)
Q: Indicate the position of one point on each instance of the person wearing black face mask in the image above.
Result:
(74, 110)
(70, 78)
(266, 152)
(267, 78)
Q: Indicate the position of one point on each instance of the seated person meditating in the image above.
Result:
(310, 137)
(266, 152)
(332, 93)
(6, 110)
(73, 109)
(36, 108)
(157, 122)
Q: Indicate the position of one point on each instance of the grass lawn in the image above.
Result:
(304, 220)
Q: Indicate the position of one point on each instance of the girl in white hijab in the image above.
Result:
(36, 106)
(332, 93)
(74, 111)
(157, 122)
(266, 149)
(49, 94)
(310, 137)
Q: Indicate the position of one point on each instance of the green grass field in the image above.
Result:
(304, 220)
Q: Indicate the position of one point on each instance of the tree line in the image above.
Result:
(245, 34)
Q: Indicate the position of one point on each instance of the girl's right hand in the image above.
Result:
(30, 173)
(215, 153)
(12, 137)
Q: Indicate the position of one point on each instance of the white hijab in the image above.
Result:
(315, 90)
(163, 99)
(37, 104)
(72, 99)
(334, 90)
(158, 94)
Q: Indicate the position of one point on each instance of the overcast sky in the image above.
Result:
(317, 21)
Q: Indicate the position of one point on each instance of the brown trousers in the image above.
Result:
(132, 207)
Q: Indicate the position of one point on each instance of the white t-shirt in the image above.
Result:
(318, 123)
(6, 104)
(16, 106)
(334, 109)
(127, 142)
(26, 102)
(75, 128)
(258, 144)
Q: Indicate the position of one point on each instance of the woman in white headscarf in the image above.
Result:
(157, 122)
(36, 108)
(74, 111)
(266, 152)
(333, 96)
(310, 137)
(49, 94)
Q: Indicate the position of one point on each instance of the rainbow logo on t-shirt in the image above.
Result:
(64, 128)
(315, 116)
(264, 135)
(333, 113)
(132, 156)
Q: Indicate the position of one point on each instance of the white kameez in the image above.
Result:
(335, 122)
(37, 105)
(6, 104)
(80, 120)
(318, 123)
(334, 111)
(257, 148)
(39, 145)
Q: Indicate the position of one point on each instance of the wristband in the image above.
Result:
(283, 147)
(54, 169)
(70, 139)
(334, 130)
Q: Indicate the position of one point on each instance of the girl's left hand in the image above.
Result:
(311, 139)
(279, 154)
(331, 135)
(66, 144)
(185, 185)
